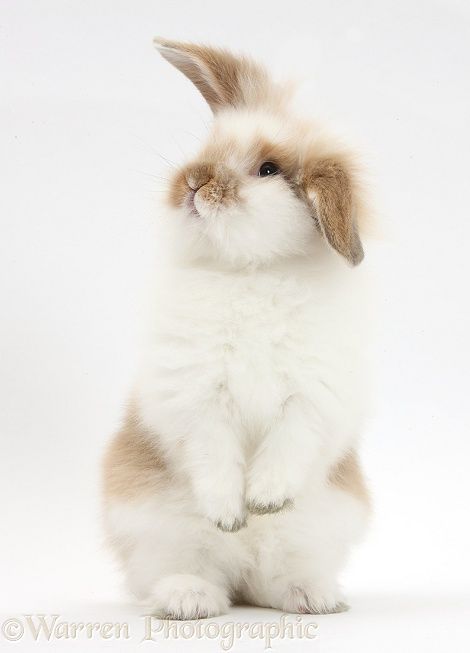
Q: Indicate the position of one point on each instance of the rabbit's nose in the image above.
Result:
(199, 176)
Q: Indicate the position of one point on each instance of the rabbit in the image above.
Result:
(235, 476)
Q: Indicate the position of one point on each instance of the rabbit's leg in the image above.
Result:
(174, 561)
(309, 547)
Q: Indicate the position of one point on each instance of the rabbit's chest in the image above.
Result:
(266, 350)
(248, 345)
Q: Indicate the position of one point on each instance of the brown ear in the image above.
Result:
(329, 190)
(221, 78)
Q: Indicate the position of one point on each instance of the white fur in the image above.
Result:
(252, 384)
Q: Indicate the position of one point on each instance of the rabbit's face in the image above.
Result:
(265, 186)
(240, 198)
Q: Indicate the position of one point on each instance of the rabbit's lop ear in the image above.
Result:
(222, 78)
(330, 192)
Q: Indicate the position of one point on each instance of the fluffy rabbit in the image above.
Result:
(235, 475)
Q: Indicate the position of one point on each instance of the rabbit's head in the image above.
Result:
(266, 185)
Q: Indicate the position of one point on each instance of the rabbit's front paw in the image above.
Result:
(231, 523)
(220, 497)
(227, 513)
(267, 493)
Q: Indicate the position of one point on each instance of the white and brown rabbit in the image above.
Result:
(235, 475)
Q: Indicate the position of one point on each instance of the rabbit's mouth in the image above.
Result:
(190, 203)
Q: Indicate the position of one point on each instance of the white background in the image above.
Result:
(87, 111)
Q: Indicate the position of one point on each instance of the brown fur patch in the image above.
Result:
(347, 476)
(334, 207)
(222, 78)
(199, 174)
(249, 157)
(213, 182)
(179, 189)
(133, 466)
(218, 192)
(284, 155)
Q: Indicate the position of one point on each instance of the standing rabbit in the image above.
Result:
(235, 474)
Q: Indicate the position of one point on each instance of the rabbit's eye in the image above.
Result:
(267, 169)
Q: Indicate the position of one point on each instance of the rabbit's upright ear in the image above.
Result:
(331, 196)
(222, 78)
